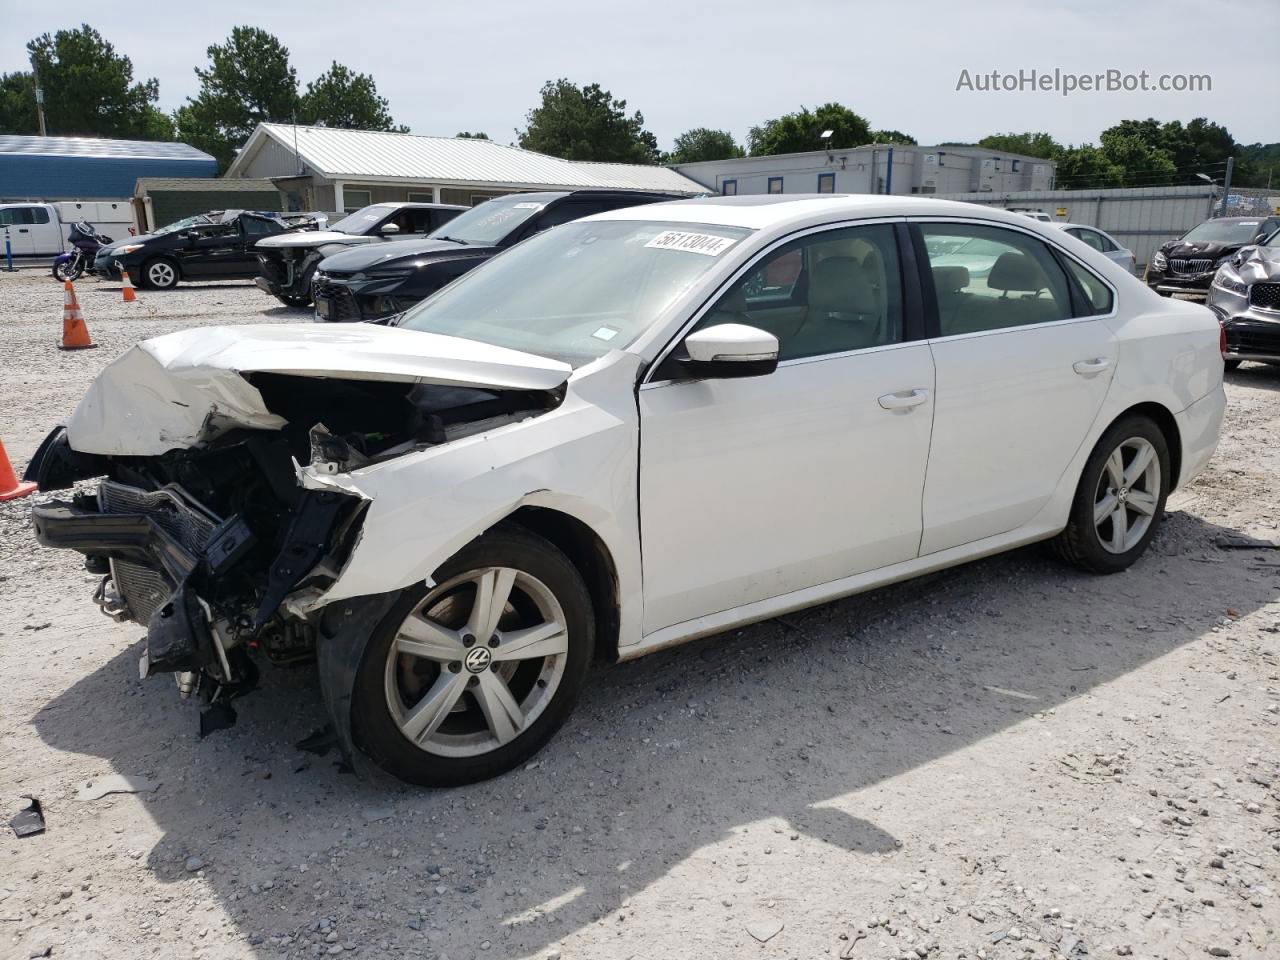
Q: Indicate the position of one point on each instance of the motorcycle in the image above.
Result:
(86, 242)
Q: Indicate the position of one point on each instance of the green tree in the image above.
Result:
(586, 123)
(1084, 167)
(893, 136)
(249, 81)
(1139, 163)
(88, 89)
(701, 143)
(802, 131)
(1026, 144)
(468, 135)
(341, 98)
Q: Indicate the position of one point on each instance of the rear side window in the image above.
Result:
(992, 278)
(418, 220)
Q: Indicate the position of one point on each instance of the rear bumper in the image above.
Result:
(1199, 426)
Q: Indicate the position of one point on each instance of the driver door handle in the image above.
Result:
(1089, 367)
(904, 399)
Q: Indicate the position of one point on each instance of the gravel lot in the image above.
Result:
(1008, 760)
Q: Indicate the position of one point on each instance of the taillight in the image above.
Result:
(1222, 339)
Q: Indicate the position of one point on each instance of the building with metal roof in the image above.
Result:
(323, 168)
(875, 168)
(86, 168)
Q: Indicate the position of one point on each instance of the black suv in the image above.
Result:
(286, 265)
(378, 281)
(208, 246)
(1187, 265)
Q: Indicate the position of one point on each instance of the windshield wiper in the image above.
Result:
(453, 240)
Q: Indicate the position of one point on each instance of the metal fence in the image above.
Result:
(1140, 218)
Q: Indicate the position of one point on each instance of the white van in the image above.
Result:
(40, 229)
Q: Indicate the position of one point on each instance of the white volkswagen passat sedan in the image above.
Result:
(654, 424)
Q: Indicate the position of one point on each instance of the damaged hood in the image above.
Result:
(185, 388)
(310, 238)
(1259, 264)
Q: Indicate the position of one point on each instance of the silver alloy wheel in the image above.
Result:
(1127, 495)
(161, 274)
(476, 662)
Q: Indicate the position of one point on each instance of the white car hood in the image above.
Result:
(186, 388)
(309, 238)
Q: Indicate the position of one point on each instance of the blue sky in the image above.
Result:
(447, 67)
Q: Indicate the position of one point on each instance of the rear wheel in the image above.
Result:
(468, 679)
(159, 274)
(1120, 499)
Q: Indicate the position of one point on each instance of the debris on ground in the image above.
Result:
(29, 820)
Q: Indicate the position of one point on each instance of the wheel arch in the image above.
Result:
(591, 557)
(1163, 418)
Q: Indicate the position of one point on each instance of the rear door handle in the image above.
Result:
(1087, 368)
(904, 399)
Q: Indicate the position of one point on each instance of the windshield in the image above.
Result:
(576, 291)
(186, 223)
(363, 220)
(1223, 231)
(487, 224)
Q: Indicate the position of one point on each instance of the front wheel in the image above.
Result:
(468, 679)
(159, 274)
(68, 270)
(1120, 499)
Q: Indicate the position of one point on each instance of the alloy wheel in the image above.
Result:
(1127, 495)
(477, 662)
(161, 274)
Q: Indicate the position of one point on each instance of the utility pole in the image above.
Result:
(35, 77)
(1226, 186)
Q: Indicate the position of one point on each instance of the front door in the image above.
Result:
(1023, 366)
(756, 487)
(215, 252)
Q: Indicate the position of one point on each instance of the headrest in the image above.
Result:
(950, 279)
(1018, 272)
(840, 285)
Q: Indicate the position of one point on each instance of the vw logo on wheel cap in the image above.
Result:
(478, 659)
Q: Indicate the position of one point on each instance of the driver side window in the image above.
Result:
(825, 293)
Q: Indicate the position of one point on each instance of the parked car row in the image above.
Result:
(658, 422)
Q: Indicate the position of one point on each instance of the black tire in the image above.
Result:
(154, 276)
(376, 732)
(298, 303)
(71, 270)
(1080, 543)
(1231, 364)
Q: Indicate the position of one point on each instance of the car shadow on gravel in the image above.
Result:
(1262, 376)
(783, 723)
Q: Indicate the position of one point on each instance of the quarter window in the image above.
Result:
(826, 293)
(990, 278)
(1096, 294)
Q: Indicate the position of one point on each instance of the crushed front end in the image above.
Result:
(201, 526)
(200, 547)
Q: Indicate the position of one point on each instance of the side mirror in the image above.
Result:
(724, 351)
(389, 229)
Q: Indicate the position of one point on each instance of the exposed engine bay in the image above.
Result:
(204, 544)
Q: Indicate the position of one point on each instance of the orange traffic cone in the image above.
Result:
(10, 488)
(75, 335)
(129, 295)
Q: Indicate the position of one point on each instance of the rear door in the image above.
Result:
(212, 251)
(1023, 361)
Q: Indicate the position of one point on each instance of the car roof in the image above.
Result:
(763, 211)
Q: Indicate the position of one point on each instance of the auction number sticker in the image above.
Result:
(707, 244)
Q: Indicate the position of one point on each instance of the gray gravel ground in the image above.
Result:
(1008, 760)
